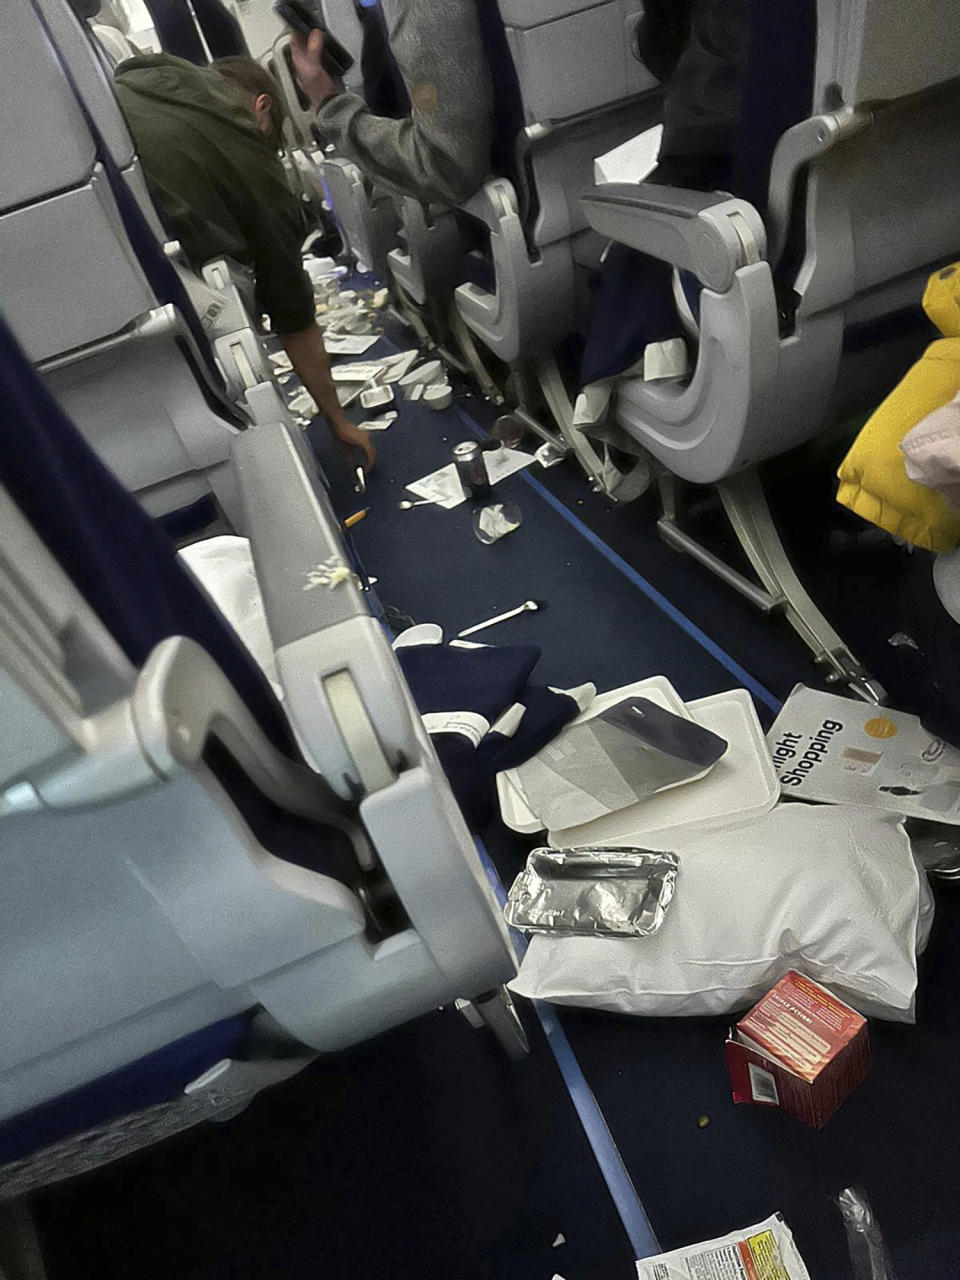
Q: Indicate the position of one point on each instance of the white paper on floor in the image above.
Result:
(504, 462)
(302, 403)
(442, 487)
(495, 522)
(379, 424)
(281, 362)
(347, 392)
(396, 366)
(349, 344)
(360, 371)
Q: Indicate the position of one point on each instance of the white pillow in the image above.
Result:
(223, 566)
(830, 890)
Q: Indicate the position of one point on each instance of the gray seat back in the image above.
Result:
(75, 292)
(863, 194)
(878, 50)
(137, 907)
(881, 206)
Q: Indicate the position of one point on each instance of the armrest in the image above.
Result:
(343, 691)
(495, 201)
(293, 532)
(709, 234)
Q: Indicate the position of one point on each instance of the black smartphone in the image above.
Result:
(303, 16)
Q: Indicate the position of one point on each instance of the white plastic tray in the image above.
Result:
(513, 808)
(742, 785)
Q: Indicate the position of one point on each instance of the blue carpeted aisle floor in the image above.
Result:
(424, 1153)
(595, 567)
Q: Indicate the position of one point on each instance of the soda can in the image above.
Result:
(470, 467)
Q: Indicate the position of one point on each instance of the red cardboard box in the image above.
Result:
(800, 1049)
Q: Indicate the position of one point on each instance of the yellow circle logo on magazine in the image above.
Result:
(880, 727)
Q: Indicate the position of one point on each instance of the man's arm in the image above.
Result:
(271, 220)
(309, 359)
(441, 152)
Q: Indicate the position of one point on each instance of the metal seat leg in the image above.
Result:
(781, 591)
(20, 1256)
(594, 456)
(496, 1011)
(749, 513)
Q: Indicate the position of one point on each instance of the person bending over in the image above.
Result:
(207, 138)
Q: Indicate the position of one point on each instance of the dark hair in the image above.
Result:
(253, 79)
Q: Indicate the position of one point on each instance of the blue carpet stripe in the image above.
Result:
(656, 597)
(605, 1150)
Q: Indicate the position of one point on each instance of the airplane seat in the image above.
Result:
(89, 289)
(367, 216)
(192, 909)
(439, 246)
(581, 91)
(809, 275)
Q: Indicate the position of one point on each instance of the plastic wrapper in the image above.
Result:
(616, 893)
(766, 1250)
(495, 521)
(868, 1252)
(625, 754)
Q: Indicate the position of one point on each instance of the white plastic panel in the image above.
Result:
(172, 910)
(534, 13)
(167, 448)
(76, 47)
(56, 151)
(578, 62)
(883, 49)
(66, 275)
(884, 203)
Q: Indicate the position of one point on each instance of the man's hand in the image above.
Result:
(313, 79)
(309, 359)
(352, 437)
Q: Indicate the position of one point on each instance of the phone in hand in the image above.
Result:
(304, 16)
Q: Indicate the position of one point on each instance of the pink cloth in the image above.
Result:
(931, 452)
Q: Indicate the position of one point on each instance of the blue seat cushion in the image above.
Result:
(156, 1078)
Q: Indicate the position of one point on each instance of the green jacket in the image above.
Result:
(219, 187)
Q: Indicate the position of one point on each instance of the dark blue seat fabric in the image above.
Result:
(775, 70)
(508, 119)
(485, 681)
(116, 555)
(634, 306)
(777, 90)
(176, 30)
(156, 1078)
(179, 34)
(221, 30)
